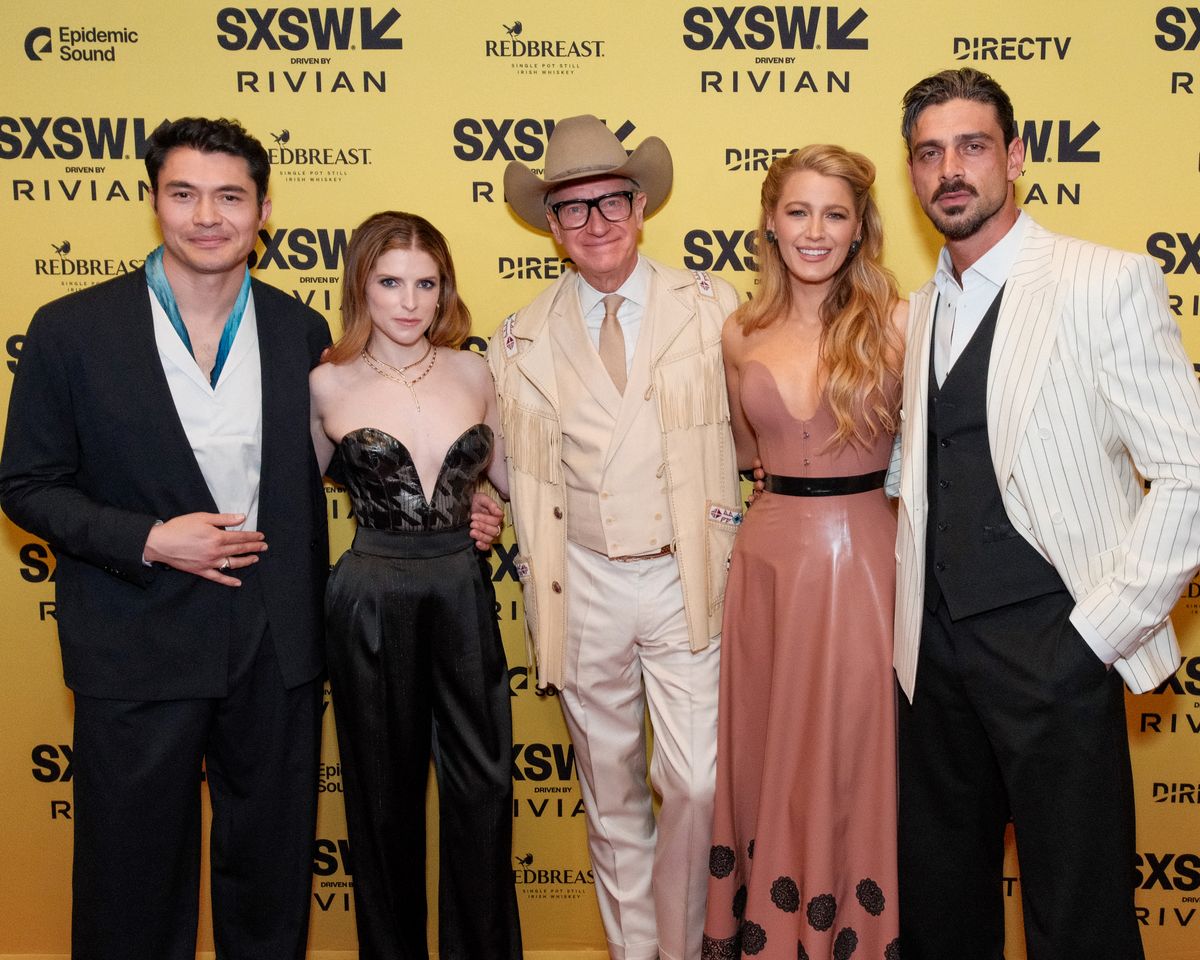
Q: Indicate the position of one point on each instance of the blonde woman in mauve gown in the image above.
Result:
(803, 862)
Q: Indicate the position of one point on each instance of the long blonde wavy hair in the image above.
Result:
(861, 351)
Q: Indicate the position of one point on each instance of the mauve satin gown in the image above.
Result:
(803, 862)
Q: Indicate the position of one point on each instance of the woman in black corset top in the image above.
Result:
(416, 663)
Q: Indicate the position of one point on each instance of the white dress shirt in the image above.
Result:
(961, 307)
(223, 424)
(635, 290)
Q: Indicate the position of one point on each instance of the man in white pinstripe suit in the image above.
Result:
(1044, 380)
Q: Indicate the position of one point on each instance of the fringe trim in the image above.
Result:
(691, 392)
(533, 442)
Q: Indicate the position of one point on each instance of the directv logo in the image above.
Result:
(1011, 48)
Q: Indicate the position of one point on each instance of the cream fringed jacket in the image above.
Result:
(684, 316)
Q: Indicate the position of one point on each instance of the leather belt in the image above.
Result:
(823, 486)
(634, 558)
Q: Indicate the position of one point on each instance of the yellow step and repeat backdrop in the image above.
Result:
(418, 106)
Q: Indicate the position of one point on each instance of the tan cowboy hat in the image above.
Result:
(582, 148)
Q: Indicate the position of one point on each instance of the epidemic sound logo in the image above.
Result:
(78, 44)
(1179, 29)
(90, 268)
(1069, 141)
(772, 33)
(294, 29)
(1011, 48)
(1187, 793)
(524, 139)
(721, 250)
(532, 55)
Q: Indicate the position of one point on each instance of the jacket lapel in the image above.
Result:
(575, 346)
(668, 312)
(536, 362)
(914, 435)
(634, 399)
(154, 398)
(1024, 339)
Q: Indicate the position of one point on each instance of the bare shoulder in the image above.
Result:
(468, 365)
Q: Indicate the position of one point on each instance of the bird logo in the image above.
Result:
(282, 137)
(514, 30)
(525, 861)
(62, 249)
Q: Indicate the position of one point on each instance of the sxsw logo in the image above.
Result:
(1183, 682)
(1167, 871)
(1176, 253)
(73, 138)
(1179, 28)
(1040, 135)
(301, 248)
(51, 762)
(720, 250)
(310, 28)
(764, 28)
(523, 139)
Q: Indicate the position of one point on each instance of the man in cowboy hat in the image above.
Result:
(625, 499)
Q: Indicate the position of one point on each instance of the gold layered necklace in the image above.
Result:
(397, 373)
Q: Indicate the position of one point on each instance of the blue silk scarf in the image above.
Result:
(156, 277)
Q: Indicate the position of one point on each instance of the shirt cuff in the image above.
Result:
(145, 562)
(1091, 636)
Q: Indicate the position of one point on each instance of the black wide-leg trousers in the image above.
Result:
(416, 665)
(137, 780)
(1014, 714)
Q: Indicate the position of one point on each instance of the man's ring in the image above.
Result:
(224, 564)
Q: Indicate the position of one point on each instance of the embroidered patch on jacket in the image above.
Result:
(704, 283)
(726, 515)
(522, 571)
(509, 340)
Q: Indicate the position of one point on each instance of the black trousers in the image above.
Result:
(1013, 714)
(416, 665)
(137, 781)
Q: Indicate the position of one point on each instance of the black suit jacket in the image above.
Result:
(95, 454)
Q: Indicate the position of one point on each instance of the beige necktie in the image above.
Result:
(612, 342)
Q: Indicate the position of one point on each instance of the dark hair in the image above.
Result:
(965, 83)
(375, 236)
(208, 136)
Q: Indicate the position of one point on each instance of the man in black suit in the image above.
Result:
(158, 439)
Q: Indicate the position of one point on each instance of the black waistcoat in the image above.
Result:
(974, 557)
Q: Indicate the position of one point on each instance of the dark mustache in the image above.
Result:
(954, 186)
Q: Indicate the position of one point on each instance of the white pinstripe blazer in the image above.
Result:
(1089, 390)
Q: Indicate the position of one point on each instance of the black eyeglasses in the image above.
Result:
(613, 207)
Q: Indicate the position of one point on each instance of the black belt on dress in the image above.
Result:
(823, 486)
